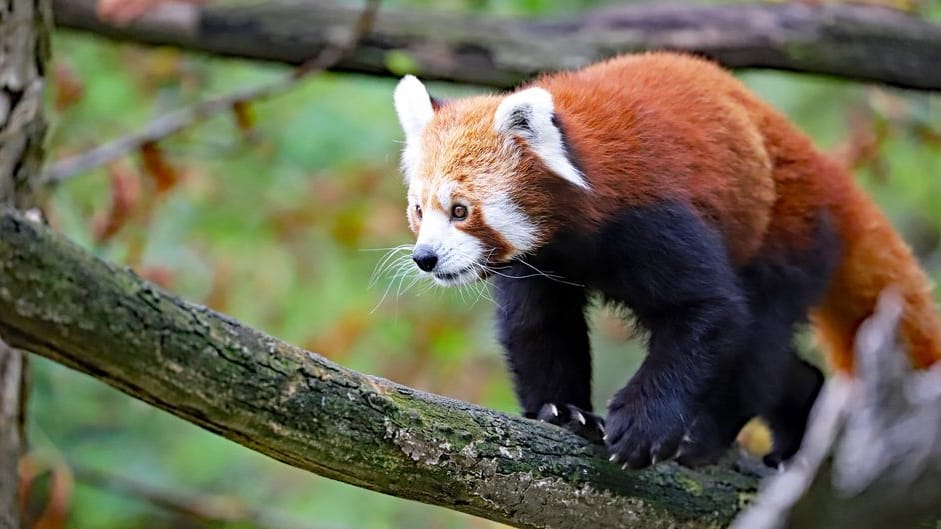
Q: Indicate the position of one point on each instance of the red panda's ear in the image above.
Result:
(415, 109)
(529, 114)
(414, 106)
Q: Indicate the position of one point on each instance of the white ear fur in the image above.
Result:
(528, 115)
(413, 105)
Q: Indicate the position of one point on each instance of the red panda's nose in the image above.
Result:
(425, 258)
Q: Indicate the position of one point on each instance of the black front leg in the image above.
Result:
(673, 271)
(542, 328)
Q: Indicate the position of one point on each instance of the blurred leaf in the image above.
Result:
(337, 342)
(244, 117)
(218, 297)
(124, 11)
(401, 62)
(125, 195)
(863, 145)
(45, 493)
(67, 86)
(165, 175)
(159, 275)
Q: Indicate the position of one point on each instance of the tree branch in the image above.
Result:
(59, 301)
(859, 42)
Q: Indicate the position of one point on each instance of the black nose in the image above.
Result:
(425, 258)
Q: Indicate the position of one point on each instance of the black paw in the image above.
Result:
(786, 440)
(788, 420)
(707, 439)
(786, 443)
(644, 428)
(583, 423)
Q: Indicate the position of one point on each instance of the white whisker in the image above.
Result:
(400, 266)
(548, 275)
(387, 261)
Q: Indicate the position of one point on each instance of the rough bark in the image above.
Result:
(11, 431)
(859, 42)
(24, 34)
(23, 52)
(59, 301)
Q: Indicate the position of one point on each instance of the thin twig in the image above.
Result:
(210, 509)
(171, 123)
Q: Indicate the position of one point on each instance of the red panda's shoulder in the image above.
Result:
(665, 126)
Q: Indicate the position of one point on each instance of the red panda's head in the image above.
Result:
(478, 172)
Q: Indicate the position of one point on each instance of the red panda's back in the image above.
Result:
(661, 126)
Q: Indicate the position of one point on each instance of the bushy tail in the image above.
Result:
(874, 257)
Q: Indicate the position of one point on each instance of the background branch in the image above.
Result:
(173, 122)
(198, 507)
(859, 42)
(61, 302)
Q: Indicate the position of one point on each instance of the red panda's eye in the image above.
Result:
(459, 212)
(418, 211)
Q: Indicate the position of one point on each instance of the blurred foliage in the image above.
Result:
(278, 215)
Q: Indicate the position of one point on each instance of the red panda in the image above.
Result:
(660, 183)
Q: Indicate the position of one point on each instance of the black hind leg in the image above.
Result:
(781, 385)
(787, 417)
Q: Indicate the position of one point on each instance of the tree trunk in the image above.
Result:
(24, 45)
(858, 42)
(61, 302)
(12, 371)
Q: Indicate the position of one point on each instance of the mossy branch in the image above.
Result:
(858, 42)
(63, 303)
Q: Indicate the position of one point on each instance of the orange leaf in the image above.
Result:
(218, 296)
(125, 194)
(155, 163)
(69, 88)
(124, 11)
(45, 494)
(160, 275)
(343, 334)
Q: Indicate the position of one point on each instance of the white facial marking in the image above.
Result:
(413, 105)
(458, 253)
(434, 229)
(528, 114)
(444, 195)
(415, 188)
(509, 220)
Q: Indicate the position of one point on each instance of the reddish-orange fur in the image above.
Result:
(764, 194)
